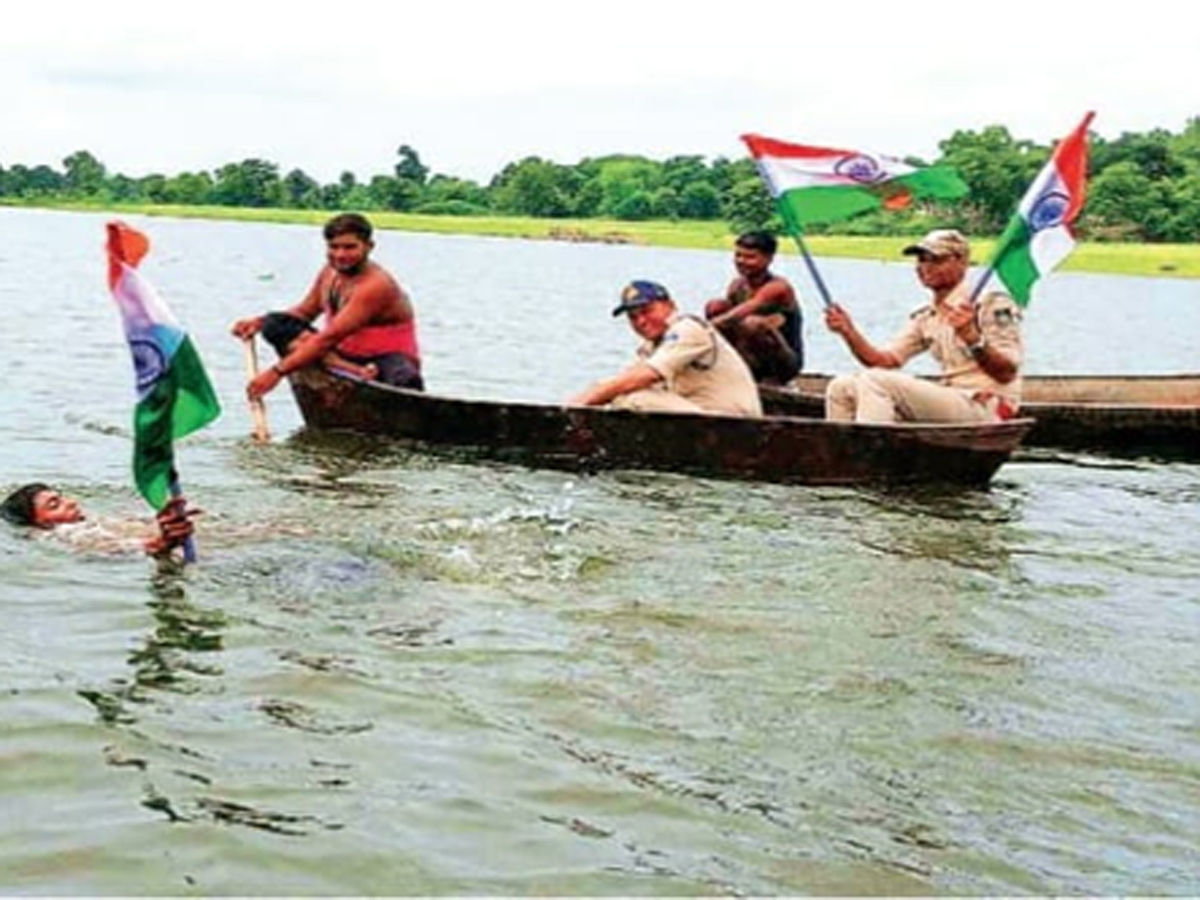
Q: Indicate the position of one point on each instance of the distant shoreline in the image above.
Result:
(1147, 260)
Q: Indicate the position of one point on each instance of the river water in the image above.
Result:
(391, 672)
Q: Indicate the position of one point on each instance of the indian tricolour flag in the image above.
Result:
(174, 395)
(1039, 235)
(820, 184)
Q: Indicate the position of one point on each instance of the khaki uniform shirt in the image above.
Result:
(697, 363)
(999, 321)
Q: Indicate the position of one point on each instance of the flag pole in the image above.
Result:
(189, 543)
(991, 269)
(975, 291)
(812, 269)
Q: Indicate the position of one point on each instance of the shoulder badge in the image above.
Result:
(1003, 308)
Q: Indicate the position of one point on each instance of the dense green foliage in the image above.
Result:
(1143, 187)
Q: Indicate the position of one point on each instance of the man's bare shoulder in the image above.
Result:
(780, 287)
(377, 283)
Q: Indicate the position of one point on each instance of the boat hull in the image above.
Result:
(778, 449)
(1148, 415)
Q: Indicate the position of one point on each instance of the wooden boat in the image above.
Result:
(778, 448)
(1155, 415)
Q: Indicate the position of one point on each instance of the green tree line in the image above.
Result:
(1143, 186)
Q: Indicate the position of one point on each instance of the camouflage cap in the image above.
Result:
(941, 242)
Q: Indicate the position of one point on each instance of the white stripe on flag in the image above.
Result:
(1050, 247)
(785, 174)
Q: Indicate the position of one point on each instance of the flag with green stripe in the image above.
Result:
(1039, 236)
(174, 394)
(820, 184)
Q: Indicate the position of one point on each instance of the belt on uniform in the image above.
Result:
(1005, 410)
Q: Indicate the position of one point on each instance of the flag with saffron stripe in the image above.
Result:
(821, 184)
(174, 395)
(1039, 236)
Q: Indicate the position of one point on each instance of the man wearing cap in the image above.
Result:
(683, 364)
(977, 345)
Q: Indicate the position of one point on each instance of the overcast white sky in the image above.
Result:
(156, 87)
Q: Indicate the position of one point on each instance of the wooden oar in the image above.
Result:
(258, 410)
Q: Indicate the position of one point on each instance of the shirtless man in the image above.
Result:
(369, 319)
(38, 505)
(760, 314)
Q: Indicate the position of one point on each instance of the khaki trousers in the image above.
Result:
(654, 400)
(885, 395)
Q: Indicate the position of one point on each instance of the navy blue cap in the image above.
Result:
(637, 294)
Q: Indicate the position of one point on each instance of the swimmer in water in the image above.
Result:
(40, 506)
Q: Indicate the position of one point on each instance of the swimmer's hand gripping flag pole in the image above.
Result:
(174, 395)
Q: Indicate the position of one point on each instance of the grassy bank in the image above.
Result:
(1163, 260)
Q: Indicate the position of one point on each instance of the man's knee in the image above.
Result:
(714, 308)
(843, 387)
(281, 330)
(841, 398)
(763, 324)
(398, 370)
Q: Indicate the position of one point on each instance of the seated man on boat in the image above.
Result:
(369, 320)
(977, 345)
(683, 364)
(40, 506)
(760, 314)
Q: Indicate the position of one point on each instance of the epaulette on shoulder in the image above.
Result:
(925, 310)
